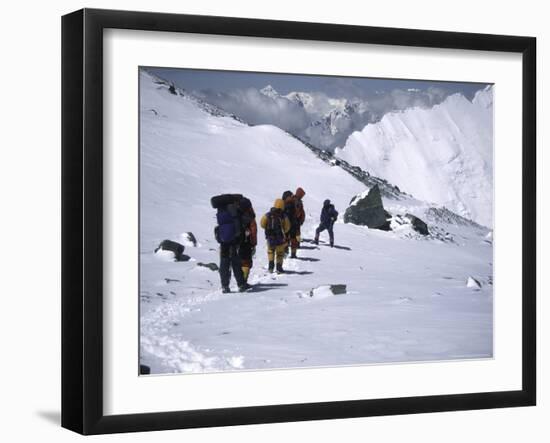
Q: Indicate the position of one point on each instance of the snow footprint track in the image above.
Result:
(165, 343)
(168, 346)
(175, 354)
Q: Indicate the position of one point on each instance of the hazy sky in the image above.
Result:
(336, 87)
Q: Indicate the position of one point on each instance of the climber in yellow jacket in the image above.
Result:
(276, 225)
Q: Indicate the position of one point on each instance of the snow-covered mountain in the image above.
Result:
(407, 295)
(317, 104)
(443, 154)
(270, 92)
(332, 119)
(303, 99)
(333, 129)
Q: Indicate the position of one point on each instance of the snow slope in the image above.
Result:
(407, 297)
(443, 154)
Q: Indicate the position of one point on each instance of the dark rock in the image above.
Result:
(175, 247)
(368, 211)
(338, 289)
(191, 237)
(418, 225)
(473, 283)
(320, 291)
(211, 266)
(144, 370)
(172, 90)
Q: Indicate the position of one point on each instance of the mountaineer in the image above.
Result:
(228, 233)
(276, 225)
(328, 216)
(249, 239)
(294, 209)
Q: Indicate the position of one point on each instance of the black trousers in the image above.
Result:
(245, 253)
(328, 227)
(230, 260)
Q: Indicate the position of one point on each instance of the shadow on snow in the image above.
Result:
(262, 287)
(322, 243)
(309, 247)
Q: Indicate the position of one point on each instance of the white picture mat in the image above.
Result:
(125, 392)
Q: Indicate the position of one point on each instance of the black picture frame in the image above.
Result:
(82, 218)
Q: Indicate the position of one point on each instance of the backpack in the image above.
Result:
(299, 212)
(247, 221)
(274, 228)
(228, 229)
(290, 210)
(221, 201)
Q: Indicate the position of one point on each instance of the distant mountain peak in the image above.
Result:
(269, 91)
(302, 99)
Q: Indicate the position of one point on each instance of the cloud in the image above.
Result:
(257, 108)
(400, 99)
(324, 120)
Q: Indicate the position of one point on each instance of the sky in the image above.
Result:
(337, 87)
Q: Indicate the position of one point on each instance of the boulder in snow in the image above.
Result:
(174, 247)
(325, 291)
(189, 239)
(418, 225)
(211, 266)
(473, 283)
(338, 289)
(144, 370)
(368, 211)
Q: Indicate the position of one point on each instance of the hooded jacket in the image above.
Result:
(277, 209)
(328, 214)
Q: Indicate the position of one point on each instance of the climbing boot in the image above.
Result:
(244, 287)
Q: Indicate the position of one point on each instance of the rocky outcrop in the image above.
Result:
(368, 211)
(417, 224)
